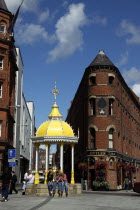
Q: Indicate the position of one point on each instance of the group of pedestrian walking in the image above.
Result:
(9, 180)
(58, 180)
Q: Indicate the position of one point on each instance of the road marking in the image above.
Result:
(41, 204)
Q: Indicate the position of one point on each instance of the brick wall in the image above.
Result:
(125, 118)
(7, 78)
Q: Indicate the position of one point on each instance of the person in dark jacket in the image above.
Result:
(50, 182)
(6, 180)
(13, 182)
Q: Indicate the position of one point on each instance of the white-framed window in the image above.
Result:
(2, 28)
(1, 62)
(0, 127)
(111, 131)
(0, 90)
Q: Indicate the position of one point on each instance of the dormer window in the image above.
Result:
(2, 28)
(111, 78)
(92, 79)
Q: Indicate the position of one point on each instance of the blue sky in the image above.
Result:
(60, 38)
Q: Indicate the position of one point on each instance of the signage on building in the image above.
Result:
(11, 153)
(11, 164)
(98, 153)
(11, 160)
(102, 153)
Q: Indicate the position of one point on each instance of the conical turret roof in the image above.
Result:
(3, 5)
(101, 60)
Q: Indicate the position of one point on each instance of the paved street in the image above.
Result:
(88, 201)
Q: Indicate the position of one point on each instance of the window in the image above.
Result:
(1, 62)
(0, 128)
(93, 80)
(0, 90)
(92, 106)
(92, 138)
(111, 131)
(2, 28)
(111, 106)
(111, 79)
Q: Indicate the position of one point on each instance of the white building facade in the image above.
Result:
(24, 124)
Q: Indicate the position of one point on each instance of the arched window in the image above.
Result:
(93, 80)
(111, 132)
(92, 106)
(92, 138)
(111, 106)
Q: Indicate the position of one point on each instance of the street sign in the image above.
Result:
(12, 160)
(12, 164)
(11, 153)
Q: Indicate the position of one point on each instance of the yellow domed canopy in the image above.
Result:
(55, 128)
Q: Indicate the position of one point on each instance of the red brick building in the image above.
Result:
(8, 68)
(106, 114)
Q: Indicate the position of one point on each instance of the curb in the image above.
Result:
(112, 193)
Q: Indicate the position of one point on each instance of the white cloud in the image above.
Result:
(136, 89)
(43, 16)
(131, 31)
(29, 33)
(68, 32)
(30, 5)
(132, 75)
(123, 59)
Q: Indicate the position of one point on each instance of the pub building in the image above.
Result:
(105, 114)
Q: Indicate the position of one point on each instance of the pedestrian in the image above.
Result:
(57, 182)
(50, 182)
(29, 180)
(24, 182)
(6, 180)
(133, 182)
(13, 183)
(65, 184)
(126, 183)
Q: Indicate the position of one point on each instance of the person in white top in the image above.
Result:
(28, 179)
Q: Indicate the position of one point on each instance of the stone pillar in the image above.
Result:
(72, 164)
(61, 157)
(47, 163)
(36, 165)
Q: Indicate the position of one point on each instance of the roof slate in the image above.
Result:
(3, 5)
(101, 60)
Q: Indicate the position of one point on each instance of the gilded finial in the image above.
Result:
(55, 91)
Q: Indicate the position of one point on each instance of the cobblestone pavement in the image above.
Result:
(87, 201)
